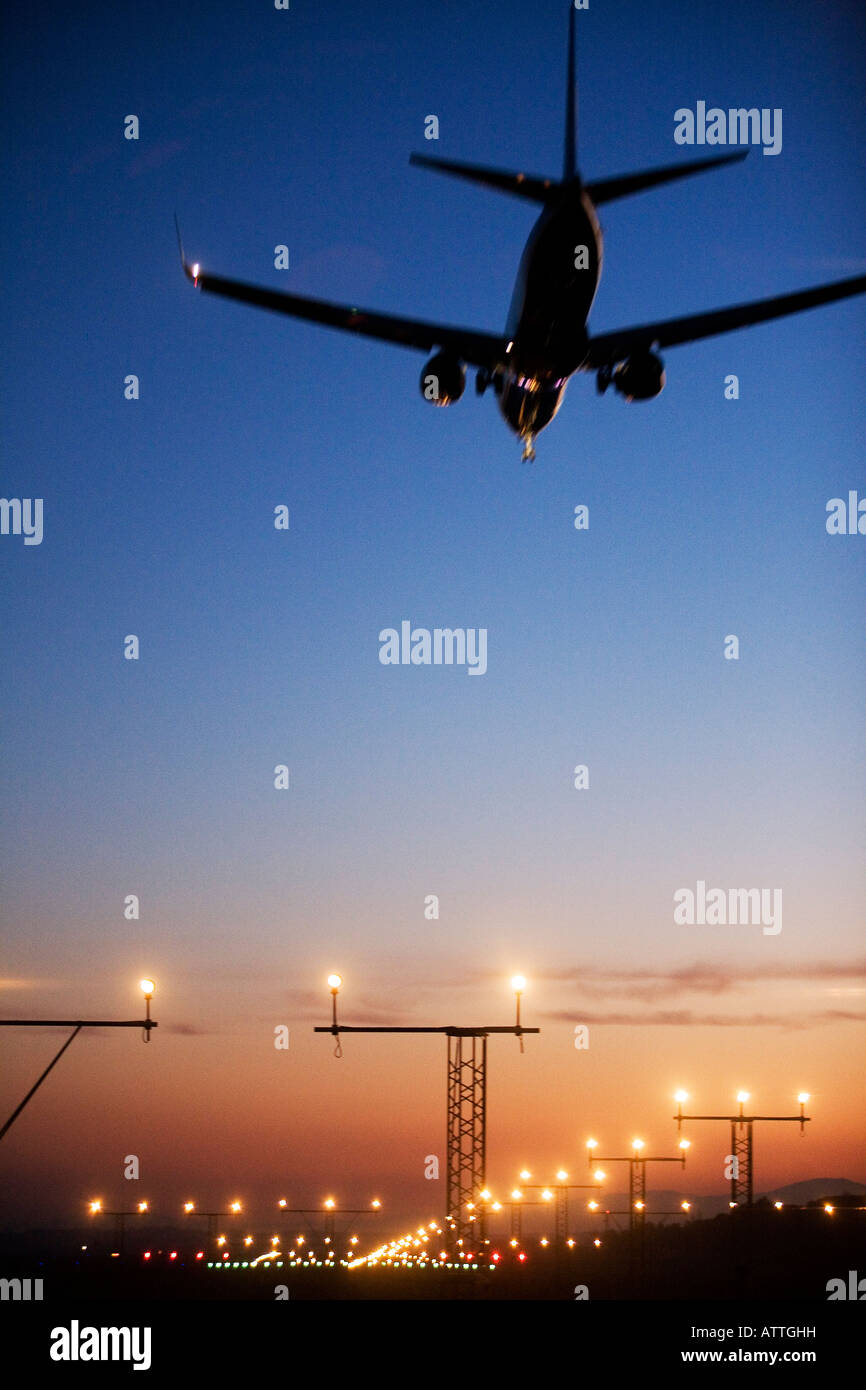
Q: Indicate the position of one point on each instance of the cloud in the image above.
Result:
(697, 978)
(679, 1018)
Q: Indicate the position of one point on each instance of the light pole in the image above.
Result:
(466, 1135)
(190, 1209)
(332, 1211)
(742, 1151)
(97, 1209)
(556, 1192)
(637, 1162)
(147, 988)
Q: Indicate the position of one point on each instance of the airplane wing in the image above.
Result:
(608, 348)
(479, 349)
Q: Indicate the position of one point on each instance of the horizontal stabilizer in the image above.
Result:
(536, 189)
(605, 190)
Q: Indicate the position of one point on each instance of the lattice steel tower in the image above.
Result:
(466, 1132)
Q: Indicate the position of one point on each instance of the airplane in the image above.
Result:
(547, 338)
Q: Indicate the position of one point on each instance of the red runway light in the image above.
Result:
(173, 1255)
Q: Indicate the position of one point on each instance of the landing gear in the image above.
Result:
(482, 381)
(528, 450)
(603, 380)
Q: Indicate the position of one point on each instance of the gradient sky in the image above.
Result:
(259, 647)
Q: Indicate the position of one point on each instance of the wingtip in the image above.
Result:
(191, 272)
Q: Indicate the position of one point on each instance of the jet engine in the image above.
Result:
(443, 379)
(640, 377)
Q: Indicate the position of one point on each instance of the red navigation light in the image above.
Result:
(521, 1257)
(496, 1255)
(173, 1255)
(146, 1255)
(200, 1255)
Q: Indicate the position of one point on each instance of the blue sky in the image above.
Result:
(259, 647)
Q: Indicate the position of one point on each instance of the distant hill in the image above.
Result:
(814, 1188)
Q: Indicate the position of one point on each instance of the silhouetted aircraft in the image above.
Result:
(546, 339)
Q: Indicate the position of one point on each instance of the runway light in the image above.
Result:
(593, 1206)
(95, 1206)
(638, 1144)
(778, 1205)
(547, 1195)
(235, 1206)
(596, 1241)
(142, 1206)
(375, 1203)
(562, 1175)
(334, 982)
(639, 1206)
(517, 1194)
(525, 1174)
(485, 1194)
(742, 1097)
(829, 1209)
(189, 1206)
(681, 1097)
(686, 1206)
(599, 1175)
(518, 984)
(803, 1097)
(148, 988)
(330, 1203)
(685, 1143)
(592, 1143)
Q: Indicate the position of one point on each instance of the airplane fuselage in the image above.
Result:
(556, 284)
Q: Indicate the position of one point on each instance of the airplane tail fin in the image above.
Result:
(569, 162)
(530, 186)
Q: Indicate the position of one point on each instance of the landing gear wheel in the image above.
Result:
(528, 450)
